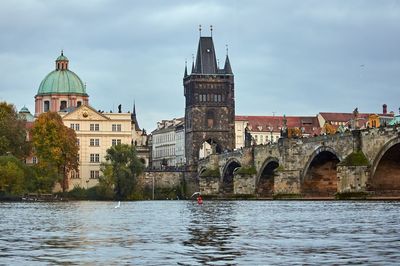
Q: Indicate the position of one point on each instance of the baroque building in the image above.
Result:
(63, 91)
(209, 104)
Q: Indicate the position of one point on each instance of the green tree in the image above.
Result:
(120, 170)
(12, 132)
(12, 175)
(56, 146)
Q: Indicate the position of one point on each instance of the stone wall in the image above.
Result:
(209, 185)
(186, 182)
(244, 184)
(287, 182)
(352, 178)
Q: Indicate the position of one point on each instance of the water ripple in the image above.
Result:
(184, 233)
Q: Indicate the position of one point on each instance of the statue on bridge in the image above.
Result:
(247, 137)
(284, 129)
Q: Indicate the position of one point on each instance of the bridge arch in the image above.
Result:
(265, 177)
(227, 175)
(385, 170)
(319, 176)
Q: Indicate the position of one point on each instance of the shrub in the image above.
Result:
(246, 170)
(355, 159)
(210, 173)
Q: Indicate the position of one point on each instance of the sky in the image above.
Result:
(288, 57)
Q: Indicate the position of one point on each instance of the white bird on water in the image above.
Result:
(118, 205)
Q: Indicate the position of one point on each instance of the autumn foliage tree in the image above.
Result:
(12, 132)
(55, 146)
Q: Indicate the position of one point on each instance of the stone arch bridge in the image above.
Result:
(366, 161)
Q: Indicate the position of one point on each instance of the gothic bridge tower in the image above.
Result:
(210, 105)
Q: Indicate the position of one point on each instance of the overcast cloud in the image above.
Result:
(288, 57)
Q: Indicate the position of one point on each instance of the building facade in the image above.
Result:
(168, 144)
(209, 104)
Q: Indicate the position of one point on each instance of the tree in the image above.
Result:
(12, 175)
(12, 132)
(55, 146)
(121, 169)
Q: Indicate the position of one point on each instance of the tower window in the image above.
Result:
(210, 118)
(79, 103)
(63, 105)
(46, 106)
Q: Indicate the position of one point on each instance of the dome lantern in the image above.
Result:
(62, 62)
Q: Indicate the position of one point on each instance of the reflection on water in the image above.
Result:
(215, 233)
(212, 232)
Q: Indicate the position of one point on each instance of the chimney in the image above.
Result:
(384, 109)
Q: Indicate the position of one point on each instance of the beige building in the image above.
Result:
(96, 132)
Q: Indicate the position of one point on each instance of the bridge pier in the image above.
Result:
(352, 179)
(287, 182)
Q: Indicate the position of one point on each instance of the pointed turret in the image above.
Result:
(192, 67)
(133, 118)
(186, 73)
(227, 67)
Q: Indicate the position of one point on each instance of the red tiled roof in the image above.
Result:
(345, 117)
(266, 123)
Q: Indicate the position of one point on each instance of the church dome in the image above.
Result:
(62, 80)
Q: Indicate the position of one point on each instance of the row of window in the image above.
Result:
(209, 86)
(165, 151)
(209, 97)
(164, 137)
(96, 142)
(94, 174)
(63, 105)
(96, 127)
(260, 139)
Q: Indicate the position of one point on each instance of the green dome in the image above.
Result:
(61, 82)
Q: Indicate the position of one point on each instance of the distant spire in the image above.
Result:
(211, 29)
(192, 63)
(200, 29)
(186, 74)
(62, 52)
(226, 47)
(134, 119)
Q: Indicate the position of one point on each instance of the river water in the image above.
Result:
(215, 233)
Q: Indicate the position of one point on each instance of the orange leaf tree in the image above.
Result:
(55, 145)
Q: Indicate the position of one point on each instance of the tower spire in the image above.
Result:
(200, 29)
(133, 117)
(227, 67)
(186, 74)
(211, 29)
(192, 63)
